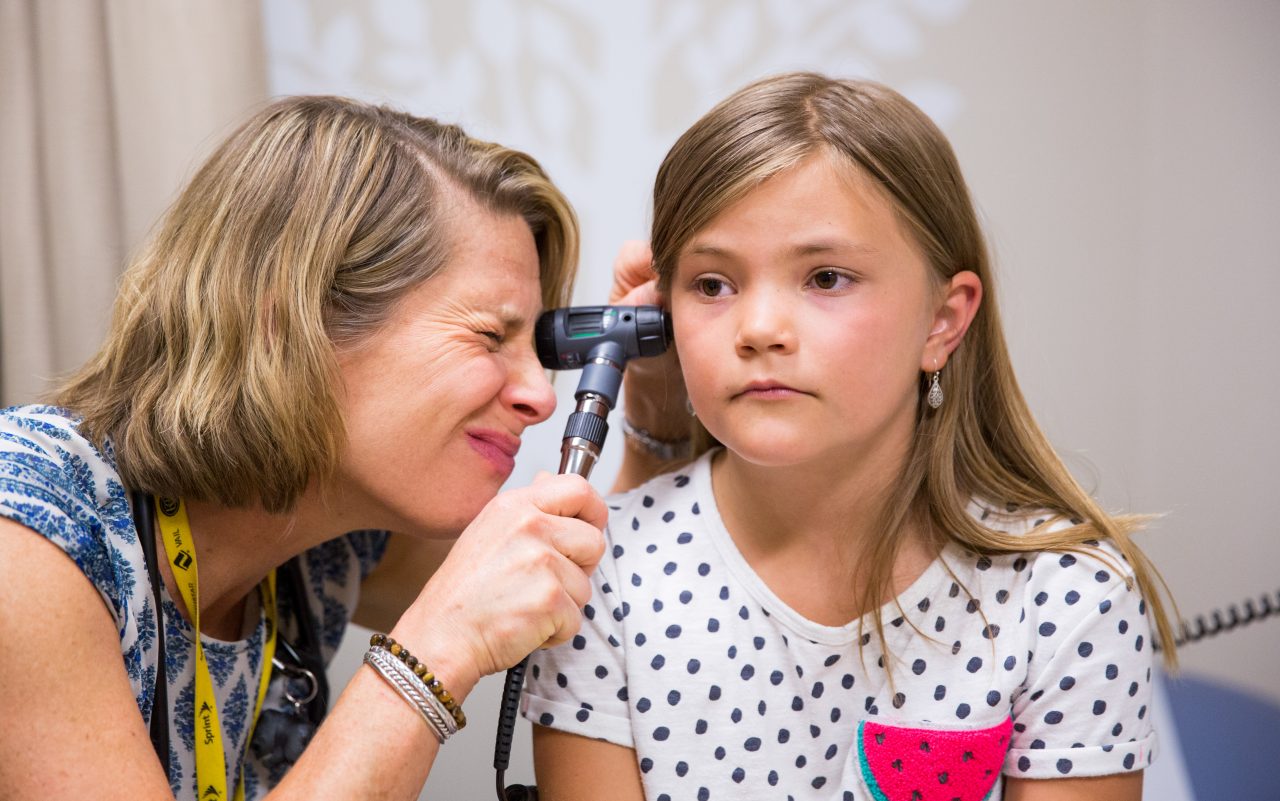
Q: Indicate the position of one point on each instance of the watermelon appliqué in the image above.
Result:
(906, 764)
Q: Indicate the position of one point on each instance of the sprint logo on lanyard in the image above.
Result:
(211, 763)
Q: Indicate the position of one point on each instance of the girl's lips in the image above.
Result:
(498, 448)
(768, 390)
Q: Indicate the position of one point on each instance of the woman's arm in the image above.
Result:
(1120, 787)
(654, 397)
(573, 768)
(71, 724)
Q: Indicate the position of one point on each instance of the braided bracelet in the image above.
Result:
(421, 671)
(402, 680)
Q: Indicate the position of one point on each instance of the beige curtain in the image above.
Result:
(106, 107)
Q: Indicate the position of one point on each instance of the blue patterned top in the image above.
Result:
(57, 483)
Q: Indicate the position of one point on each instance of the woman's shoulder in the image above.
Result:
(57, 483)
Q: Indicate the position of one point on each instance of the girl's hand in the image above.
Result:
(653, 388)
(516, 580)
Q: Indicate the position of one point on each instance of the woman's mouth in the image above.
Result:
(496, 447)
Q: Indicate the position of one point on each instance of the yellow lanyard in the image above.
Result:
(211, 765)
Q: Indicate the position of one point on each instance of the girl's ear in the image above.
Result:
(960, 300)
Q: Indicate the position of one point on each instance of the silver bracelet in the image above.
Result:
(409, 687)
(659, 449)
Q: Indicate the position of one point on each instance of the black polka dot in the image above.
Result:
(783, 735)
(667, 517)
(1067, 560)
(1053, 717)
(713, 625)
(818, 782)
(773, 778)
(1084, 649)
(579, 642)
(835, 714)
(991, 631)
(661, 733)
(673, 697)
(1047, 629)
(646, 765)
(817, 689)
(846, 681)
(1067, 682)
(582, 715)
(962, 711)
(640, 638)
(685, 538)
(1123, 627)
(1037, 744)
(918, 666)
(1137, 645)
(682, 768)
(700, 727)
(993, 698)
(939, 692)
(669, 568)
(1112, 671)
(601, 671)
(898, 700)
(1064, 766)
(1072, 597)
(752, 744)
(975, 664)
(1010, 662)
(775, 678)
(562, 680)
(801, 761)
(703, 794)
(694, 666)
(546, 718)
(1024, 764)
(657, 662)
(622, 694)
(831, 660)
(1102, 577)
(940, 623)
(714, 692)
(1020, 564)
(1128, 761)
(1133, 689)
(704, 569)
(643, 705)
(760, 708)
(1099, 706)
(1002, 596)
(673, 631)
(744, 613)
(831, 751)
(736, 715)
(747, 672)
(1041, 598)
(797, 704)
(719, 752)
(738, 775)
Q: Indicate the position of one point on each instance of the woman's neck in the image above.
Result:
(237, 547)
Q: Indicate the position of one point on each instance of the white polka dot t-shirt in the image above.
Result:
(1035, 665)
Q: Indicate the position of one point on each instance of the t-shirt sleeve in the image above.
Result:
(581, 686)
(1084, 710)
(50, 483)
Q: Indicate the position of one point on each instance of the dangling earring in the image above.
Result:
(688, 405)
(934, 398)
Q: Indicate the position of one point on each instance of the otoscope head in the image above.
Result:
(568, 338)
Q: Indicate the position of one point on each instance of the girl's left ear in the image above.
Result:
(960, 301)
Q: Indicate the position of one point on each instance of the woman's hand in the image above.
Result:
(516, 580)
(654, 396)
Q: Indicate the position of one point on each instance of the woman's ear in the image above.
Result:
(961, 297)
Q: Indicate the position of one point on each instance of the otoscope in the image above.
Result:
(599, 340)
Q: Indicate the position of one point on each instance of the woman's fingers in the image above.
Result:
(634, 281)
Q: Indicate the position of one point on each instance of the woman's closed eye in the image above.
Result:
(495, 338)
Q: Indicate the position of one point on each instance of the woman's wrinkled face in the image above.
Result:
(436, 400)
(801, 317)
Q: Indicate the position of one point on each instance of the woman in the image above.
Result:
(330, 332)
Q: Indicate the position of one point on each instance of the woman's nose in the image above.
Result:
(765, 324)
(528, 390)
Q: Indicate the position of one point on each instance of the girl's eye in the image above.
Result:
(710, 287)
(829, 279)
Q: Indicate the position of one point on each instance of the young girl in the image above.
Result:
(876, 580)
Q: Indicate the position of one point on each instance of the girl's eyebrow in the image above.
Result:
(820, 246)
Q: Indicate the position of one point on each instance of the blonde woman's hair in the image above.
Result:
(983, 442)
(218, 379)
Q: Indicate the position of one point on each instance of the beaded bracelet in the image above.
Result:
(423, 673)
(408, 687)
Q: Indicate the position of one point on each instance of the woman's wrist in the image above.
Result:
(450, 663)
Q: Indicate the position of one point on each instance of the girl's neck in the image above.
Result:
(806, 529)
(237, 547)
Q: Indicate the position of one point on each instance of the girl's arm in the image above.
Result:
(574, 768)
(1120, 787)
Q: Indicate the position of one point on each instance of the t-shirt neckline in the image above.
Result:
(922, 587)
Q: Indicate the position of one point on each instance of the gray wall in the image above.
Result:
(1123, 155)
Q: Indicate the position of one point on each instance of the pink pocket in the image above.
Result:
(917, 764)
